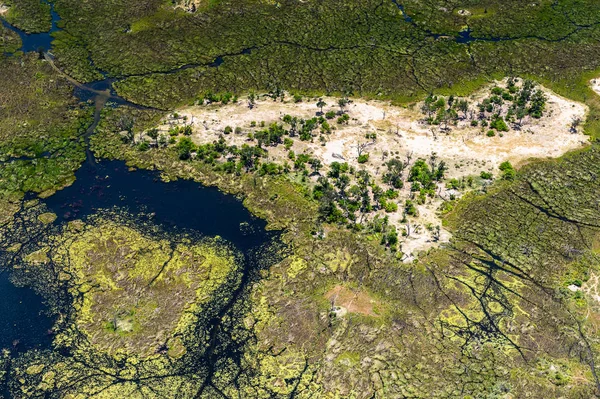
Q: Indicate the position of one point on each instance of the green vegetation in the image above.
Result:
(9, 41)
(508, 172)
(495, 300)
(31, 16)
(41, 129)
(262, 45)
(141, 289)
(512, 104)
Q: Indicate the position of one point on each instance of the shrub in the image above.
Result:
(499, 124)
(486, 175)
(491, 133)
(410, 208)
(287, 142)
(363, 158)
(390, 206)
(391, 194)
(143, 146)
(343, 119)
(508, 172)
(454, 184)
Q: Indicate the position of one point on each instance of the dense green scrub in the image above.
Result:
(9, 41)
(489, 315)
(31, 16)
(41, 129)
(364, 48)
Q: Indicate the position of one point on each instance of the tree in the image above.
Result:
(450, 100)
(342, 102)
(249, 155)
(361, 147)
(575, 122)
(429, 107)
(436, 233)
(521, 113)
(463, 106)
(341, 183)
(538, 104)
(153, 134)
(251, 100)
(393, 176)
(420, 173)
(447, 116)
(315, 164)
(325, 194)
(336, 169)
(185, 146)
(321, 104)
(162, 140)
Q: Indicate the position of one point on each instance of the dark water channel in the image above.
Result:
(181, 206)
(36, 41)
(23, 325)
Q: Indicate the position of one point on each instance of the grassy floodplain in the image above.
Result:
(505, 309)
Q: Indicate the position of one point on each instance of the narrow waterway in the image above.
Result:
(178, 206)
(41, 42)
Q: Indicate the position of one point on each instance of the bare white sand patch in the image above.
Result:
(3, 9)
(333, 152)
(595, 85)
(400, 132)
(591, 288)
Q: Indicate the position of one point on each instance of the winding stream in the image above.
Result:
(181, 206)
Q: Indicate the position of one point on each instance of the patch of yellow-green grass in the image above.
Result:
(160, 19)
(47, 218)
(138, 291)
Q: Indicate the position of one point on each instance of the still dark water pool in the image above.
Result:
(180, 205)
(23, 326)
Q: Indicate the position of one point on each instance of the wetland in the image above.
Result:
(299, 199)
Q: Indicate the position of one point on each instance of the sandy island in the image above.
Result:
(400, 132)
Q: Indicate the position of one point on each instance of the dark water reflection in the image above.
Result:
(181, 204)
(23, 326)
(36, 41)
